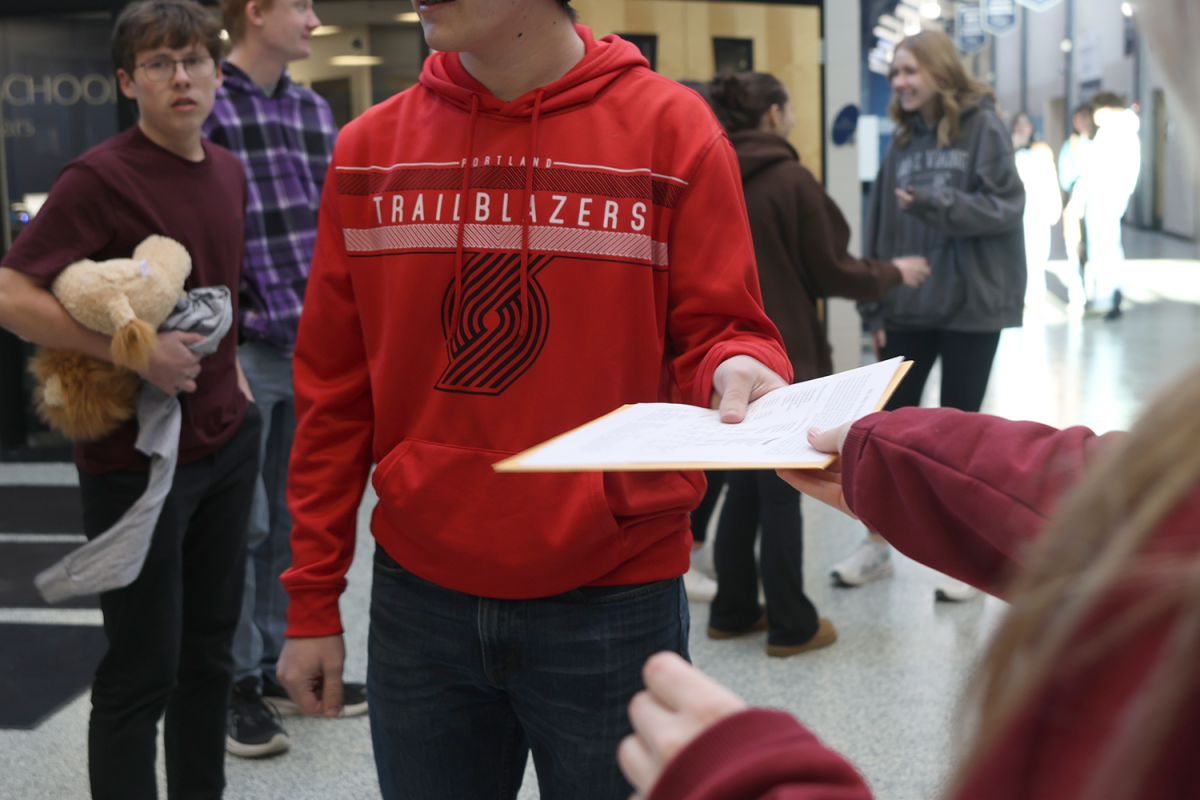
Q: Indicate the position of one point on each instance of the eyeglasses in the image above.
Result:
(163, 69)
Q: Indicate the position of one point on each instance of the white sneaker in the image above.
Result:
(700, 588)
(702, 560)
(955, 591)
(869, 562)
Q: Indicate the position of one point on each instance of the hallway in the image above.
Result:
(885, 694)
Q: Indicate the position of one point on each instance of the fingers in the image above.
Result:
(637, 763)
(734, 404)
(676, 686)
(739, 381)
(671, 679)
(824, 441)
(304, 689)
(331, 693)
(819, 485)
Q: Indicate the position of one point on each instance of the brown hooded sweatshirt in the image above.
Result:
(800, 240)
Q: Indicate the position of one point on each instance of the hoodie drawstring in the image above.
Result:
(537, 107)
(462, 224)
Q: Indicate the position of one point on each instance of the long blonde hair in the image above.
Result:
(1099, 542)
(936, 54)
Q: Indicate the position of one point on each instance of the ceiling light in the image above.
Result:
(326, 30)
(355, 61)
(1066, 46)
(1127, 9)
(932, 9)
(408, 16)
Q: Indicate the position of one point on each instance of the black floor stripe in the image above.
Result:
(40, 509)
(20, 562)
(44, 667)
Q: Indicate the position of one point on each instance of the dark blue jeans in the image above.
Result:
(462, 688)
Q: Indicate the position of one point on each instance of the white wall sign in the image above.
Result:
(969, 35)
(999, 16)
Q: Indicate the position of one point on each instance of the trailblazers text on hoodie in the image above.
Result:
(487, 276)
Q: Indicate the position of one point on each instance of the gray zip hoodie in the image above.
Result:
(966, 218)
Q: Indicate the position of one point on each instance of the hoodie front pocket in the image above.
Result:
(452, 518)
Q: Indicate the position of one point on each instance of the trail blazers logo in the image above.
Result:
(575, 211)
(490, 350)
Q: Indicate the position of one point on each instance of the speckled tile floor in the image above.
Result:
(885, 694)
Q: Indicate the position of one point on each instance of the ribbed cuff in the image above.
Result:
(313, 612)
(852, 448)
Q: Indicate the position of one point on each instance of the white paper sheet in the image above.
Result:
(668, 435)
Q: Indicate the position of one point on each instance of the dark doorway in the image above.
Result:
(733, 55)
(336, 92)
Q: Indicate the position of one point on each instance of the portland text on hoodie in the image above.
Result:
(489, 275)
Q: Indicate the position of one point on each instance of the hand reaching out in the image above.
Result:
(739, 381)
(904, 198)
(913, 269)
(680, 702)
(823, 484)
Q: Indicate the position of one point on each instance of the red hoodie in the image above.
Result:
(445, 328)
(966, 494)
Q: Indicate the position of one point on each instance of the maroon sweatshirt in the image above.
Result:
(964, 493)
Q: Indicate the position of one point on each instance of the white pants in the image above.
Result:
(1106, 255)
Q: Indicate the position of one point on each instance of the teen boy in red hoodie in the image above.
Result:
(541, 230)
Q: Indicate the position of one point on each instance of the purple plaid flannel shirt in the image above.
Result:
(285, 142)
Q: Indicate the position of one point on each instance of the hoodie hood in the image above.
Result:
(603, 62)
(969, 110)
(757, 150)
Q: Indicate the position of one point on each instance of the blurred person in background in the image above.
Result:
(1107, 179)
(1071, 159)
(800, 240)
(1089, 689)
(283, 134)
(1043, 205)
(949, 190)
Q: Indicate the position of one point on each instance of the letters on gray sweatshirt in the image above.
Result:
(966, 218)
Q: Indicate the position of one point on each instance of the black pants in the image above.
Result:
(170, 632)
(703, 512)
(966, 365)
(760, 497)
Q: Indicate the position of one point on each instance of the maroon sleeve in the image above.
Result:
(74, 223)
(961, 493)
(759, 753)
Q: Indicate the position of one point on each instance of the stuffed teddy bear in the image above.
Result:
(127, 299)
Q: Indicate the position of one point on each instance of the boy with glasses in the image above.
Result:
(283, 133)
(170, 630)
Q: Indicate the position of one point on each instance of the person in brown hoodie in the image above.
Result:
(800, 243)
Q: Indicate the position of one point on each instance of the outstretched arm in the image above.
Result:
(961, 493)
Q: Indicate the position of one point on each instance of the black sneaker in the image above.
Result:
(354, 698)
(255, 729)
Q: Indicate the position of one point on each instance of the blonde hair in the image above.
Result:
(1099, 542)
(936, 55)
(233, 14)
